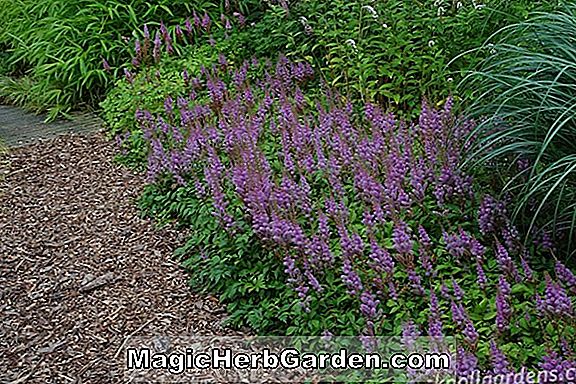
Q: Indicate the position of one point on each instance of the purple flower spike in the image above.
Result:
(470, 333)
(528, 273)
(415, 281)
(409, 334)
(553, 362)
(435, 328)
(486, 215)
(351, 279)
(424, 238)
(188, 26)
(482, 280)
(445, 292)
(382, 258)
(106, 65)
(369, 306)
(157, 45)
(401, 238)
(565, 275)
(169, 105)
(241, 18)
(129, 76)
(466, 363)
(138, 48)
(503, 311)
(392, 290)
(556, 302)
(458, 292)
(458, 313)
(206, 22)
(500, 364)
(454, 244)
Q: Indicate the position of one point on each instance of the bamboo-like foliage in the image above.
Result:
(526, 92)
(59, 45)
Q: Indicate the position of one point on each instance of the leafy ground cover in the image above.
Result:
(305, 203)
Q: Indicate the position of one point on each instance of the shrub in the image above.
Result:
(393, 52)
(525, 90)
(366, 215)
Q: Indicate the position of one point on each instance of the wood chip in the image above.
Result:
(80, 270)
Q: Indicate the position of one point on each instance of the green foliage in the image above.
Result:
(393, 52)
(525, 88)
(247, 276)
(246, 268)
(59, 45)
(150, 89)
(394, 64)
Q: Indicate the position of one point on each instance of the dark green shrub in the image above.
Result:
(247, 276)
(271, 172)
(272, 178)
(392, 52)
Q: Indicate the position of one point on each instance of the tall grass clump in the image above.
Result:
(525, 91)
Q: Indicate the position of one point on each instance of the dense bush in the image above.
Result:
(392, 52)
(58, 46)
(525, 88)
(359, 210)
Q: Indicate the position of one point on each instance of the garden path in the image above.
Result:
(79, 269)
(19, 128)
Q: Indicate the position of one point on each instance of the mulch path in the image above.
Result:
(80, 270)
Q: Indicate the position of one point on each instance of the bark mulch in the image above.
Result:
(80, 270)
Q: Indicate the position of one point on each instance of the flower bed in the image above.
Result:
(377, 229)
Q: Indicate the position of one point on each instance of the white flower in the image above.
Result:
(431, 43)
(371, 10)
(307, 26)
(477, 6)
(384, 25)
(450, 79)
(351, 43)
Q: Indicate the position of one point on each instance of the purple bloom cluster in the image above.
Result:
(503, 307)
(184, 34)
(554, 362)
(329, 189)
(466, 363)
(565, 275)
(556, 302)
(500, 363)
